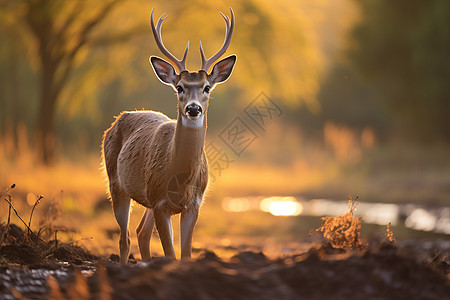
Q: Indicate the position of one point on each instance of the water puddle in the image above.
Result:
(417, 217)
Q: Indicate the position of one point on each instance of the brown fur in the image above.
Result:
(142, 144)
(161, 163)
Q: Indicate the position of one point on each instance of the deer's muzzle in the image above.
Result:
(193, 110)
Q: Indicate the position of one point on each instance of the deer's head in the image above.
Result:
(193, 88)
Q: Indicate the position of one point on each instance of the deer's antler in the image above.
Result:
(180, 64)
(206, 63)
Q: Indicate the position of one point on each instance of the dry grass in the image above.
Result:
(79, 179)
(389, 234)
(30, 246)
(280, 163)
(343, 232)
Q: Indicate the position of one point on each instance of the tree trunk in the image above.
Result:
(45, 133)
(15, 94)
(56, 53)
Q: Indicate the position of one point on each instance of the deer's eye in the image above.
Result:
(179, 89)
(207, 89)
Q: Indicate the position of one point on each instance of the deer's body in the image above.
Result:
(160, 163)
(150, 156)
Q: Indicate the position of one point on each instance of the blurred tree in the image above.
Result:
(346, 101)
(402, 50)
(16, 109)
(276, 46)
(60, 32)
(277, 50)
(84, 80)
(59, 36)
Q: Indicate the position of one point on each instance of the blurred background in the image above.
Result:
(337, 97)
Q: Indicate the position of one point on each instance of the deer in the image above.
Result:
(159, 162)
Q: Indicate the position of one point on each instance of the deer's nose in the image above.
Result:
(193, 110)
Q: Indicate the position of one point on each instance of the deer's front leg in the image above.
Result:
(187, 223)
(164, 227)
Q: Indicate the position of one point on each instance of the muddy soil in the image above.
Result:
(411, 270)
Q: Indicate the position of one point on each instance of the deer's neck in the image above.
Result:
(188, 143)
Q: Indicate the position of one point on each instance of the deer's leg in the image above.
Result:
(121, 207)
(144, 233)
(187, 224)
(164, 227)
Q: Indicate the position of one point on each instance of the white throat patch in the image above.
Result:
(192, 123)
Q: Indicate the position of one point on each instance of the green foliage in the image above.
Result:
(401, 49)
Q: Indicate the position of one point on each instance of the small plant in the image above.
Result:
(343, 232)
(389, 234)
(30, 247)
(6, 229)
(52, 214)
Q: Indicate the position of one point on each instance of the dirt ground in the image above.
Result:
(404, 270)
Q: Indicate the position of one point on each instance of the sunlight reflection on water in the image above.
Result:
(281, 206)
(412, 216)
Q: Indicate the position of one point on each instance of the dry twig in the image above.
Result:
(20, 218)
(38, 200)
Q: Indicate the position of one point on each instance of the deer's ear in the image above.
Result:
(222, 70)
(163, 70)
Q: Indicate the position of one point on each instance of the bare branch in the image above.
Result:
(38, 200)
(59, 84)
(8, 189)
(20, 218)
(76, 11)
(120, 37)
(90, 26)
